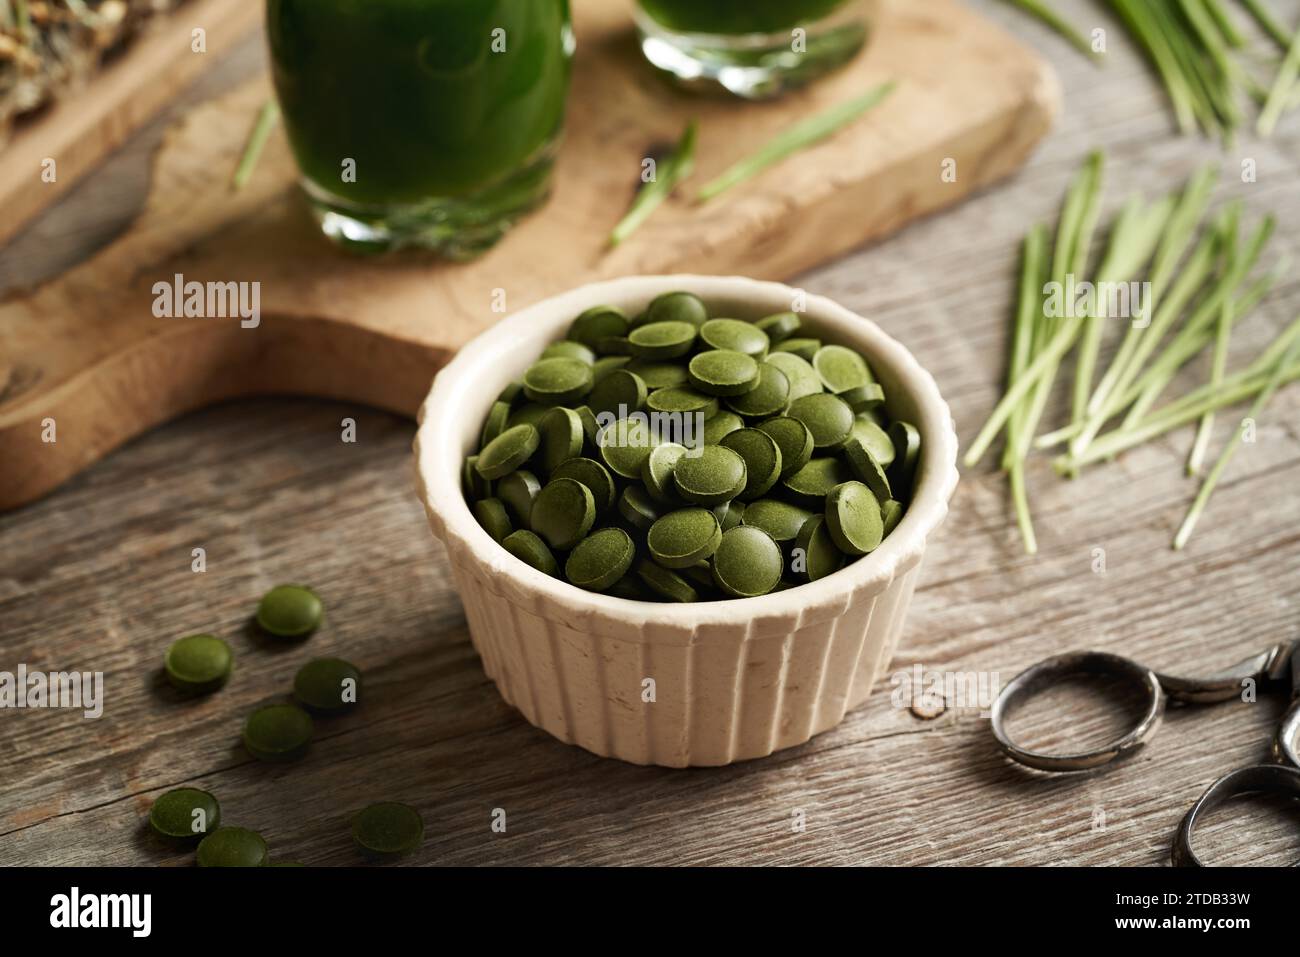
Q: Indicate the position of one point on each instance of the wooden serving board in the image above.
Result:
(87, 352)
(84, 127)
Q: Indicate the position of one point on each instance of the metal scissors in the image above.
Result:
(1278, 666)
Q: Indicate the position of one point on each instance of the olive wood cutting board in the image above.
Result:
(84, 360)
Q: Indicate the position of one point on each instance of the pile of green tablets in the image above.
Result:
(676, 457)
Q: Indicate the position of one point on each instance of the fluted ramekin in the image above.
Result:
(678, 685)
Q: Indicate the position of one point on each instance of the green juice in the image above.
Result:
(737, 16)
(429, 122)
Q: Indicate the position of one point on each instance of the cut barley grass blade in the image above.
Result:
(267, 117)
(1154, 382)
(1268, 23)
(1059, 24)
(1051, 340)
(798, 137)
(1202, 442)
(1124, 438)
(1154, 224)
(1223, 22)
(1075, 232)
(669, 171)
(1184, 223)
(1029, 314)
(1148, 32)
(1283, 88)
(1193, 336)
(1211, 480)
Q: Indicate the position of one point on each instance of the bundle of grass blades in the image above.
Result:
(1194, 285)
(1201, 52)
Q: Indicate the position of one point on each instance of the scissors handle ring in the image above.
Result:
(1269, 778)
(1049, 672)
(1286, 744)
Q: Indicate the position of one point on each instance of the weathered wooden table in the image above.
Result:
(98, 577)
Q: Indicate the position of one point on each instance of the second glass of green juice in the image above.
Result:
(752, 48)
(430, 123)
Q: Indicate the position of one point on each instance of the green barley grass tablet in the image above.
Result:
(736, 336)
(867, 470)
(853, 518)
(771, 396)
(657, 471)
(495, 423)
(721, 425)
(290, 611)
(530, 549)
(232, 847)
(517, 492)
(637, 508)
(278, 732)
(595, 476)
(714, 476)
(665, 583)
(598, 322)
(557, 381)
(723, 372)
(491, 515)
(780, 327)
(619, 394)
(561, 438)
(817, 555)
(661, 340)
(803, 347)
(891, 513)
(198, 664)
(185, 814)
(677, 307)
(812, 483)
(388, 829)
(327, 686)
(906, 442)
(563, 513)
(793, 439)
(828, 418)
(508, 451)
(570, 350)
(841, 369)
(762, 459)
(683, 537)
(748, 562)
(600, 559)
(867, 431)
(802, 377)
(781, 520)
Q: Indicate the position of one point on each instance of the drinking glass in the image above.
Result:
(429, 123)
(752, 48)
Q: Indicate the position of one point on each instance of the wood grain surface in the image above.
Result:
(87, 349)
(98, 577)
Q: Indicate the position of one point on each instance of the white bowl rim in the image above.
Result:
(439, 457)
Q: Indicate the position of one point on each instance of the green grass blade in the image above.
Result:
(1207, 487)
(267, 117)
(798, 137)
(670, 171)
(1283, 86)
(1059, 24)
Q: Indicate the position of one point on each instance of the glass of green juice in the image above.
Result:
(752, 48)
(427, 123)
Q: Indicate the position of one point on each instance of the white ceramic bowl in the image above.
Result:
(678, 684)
